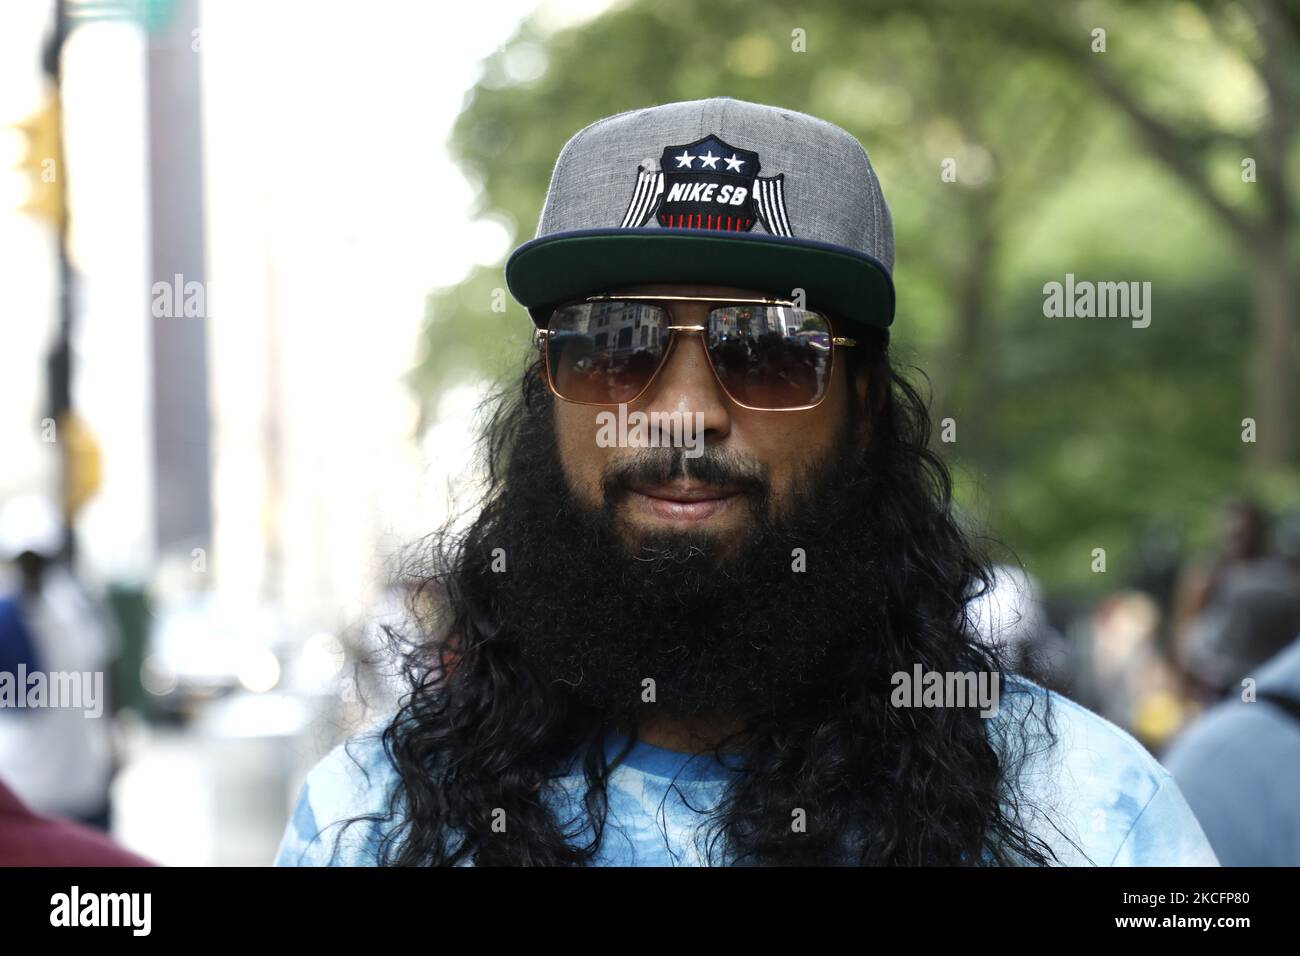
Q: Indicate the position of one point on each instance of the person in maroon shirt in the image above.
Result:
(30, 840)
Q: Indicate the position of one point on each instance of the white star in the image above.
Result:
(708, 159)
(734, 164)
(684, 159)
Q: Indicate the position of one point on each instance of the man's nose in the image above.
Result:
(686, 383)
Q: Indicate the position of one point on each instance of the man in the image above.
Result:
(699, 616)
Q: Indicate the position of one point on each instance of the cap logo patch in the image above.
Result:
(708, 184)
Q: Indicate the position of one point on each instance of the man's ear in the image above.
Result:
(870, 397)
(866, 407)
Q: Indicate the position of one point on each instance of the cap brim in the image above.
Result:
(546, 271)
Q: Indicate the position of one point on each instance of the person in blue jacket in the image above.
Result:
(1239, 767)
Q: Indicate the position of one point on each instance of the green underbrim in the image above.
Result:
(552, 269)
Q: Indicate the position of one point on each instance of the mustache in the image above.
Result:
(664, 464)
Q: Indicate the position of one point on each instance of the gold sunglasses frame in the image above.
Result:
(539, 339)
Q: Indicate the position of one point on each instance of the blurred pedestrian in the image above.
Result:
(1239, 768)
(1238, 611)
(58, 759)
(27, 839)
(1011, 616)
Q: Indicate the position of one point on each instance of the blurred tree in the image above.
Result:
(1247, 126)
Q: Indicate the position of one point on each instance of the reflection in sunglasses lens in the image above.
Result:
(771, 356)
(605, 352)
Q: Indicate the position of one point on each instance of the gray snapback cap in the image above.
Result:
(720, 191)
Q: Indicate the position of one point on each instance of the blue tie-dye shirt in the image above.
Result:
(1096, 798)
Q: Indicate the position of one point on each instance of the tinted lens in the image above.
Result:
(771, 356)
(605, 352)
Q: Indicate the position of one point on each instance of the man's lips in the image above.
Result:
(682, 500)
(685, 491)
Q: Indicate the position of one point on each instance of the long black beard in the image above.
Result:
(673, 620)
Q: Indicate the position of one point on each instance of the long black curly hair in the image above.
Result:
(479, 732)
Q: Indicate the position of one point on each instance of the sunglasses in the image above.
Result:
(767, 354)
